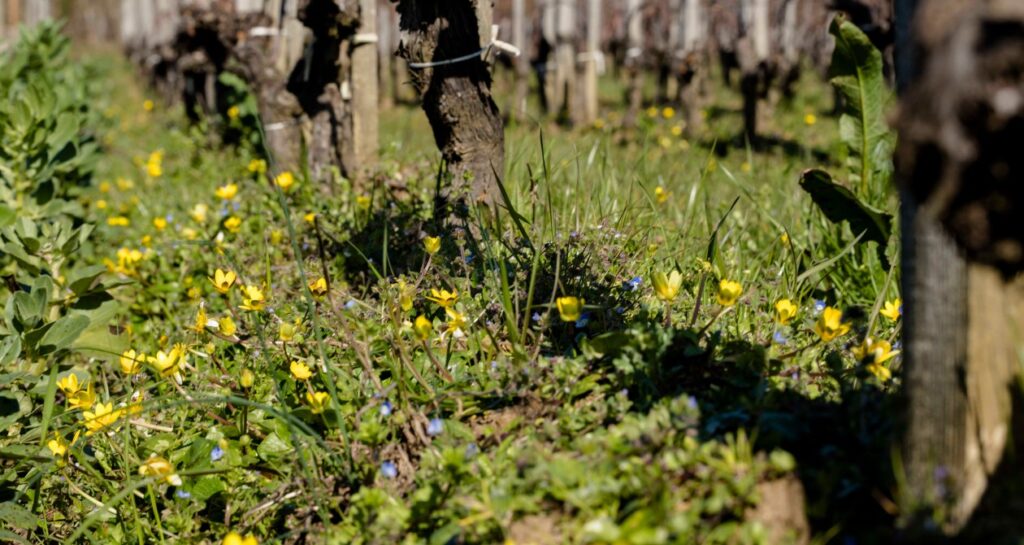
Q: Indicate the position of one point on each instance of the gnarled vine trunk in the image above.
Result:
(456, 96)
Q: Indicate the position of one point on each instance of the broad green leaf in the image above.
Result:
(10, 349)
(839, 204)
(206, 487)
(856, 72)
(17, 516)
(81, 279)
(99, 342)
(273, 447)
(63, 333)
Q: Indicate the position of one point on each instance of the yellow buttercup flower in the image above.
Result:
(873, 353)
(729, 292)
(892, 309)
(83, 399)
(423, 327)
(234, 538)
(785, 311)
(69, 384)
(318, 287)
(652, 112)
(405, 295)
(810, 120)
(285, 181)
(160, 467)
(101, 416)
(199, 212)
(118, 221)
(252, 298)
(200, 323)
(226, 191)
(169, 363)
(227, 326)
(160, 224)
(247, 379)
(432, 244)
(233, 224)
(569, 308)
(660, 195)
(667, 286)
(676, 130)
(148, 105)
(784, 239)
(668, 112)
(830, 324)
(317, 401)
(154, 165)
(258, 166)
(456, 322)
(363, 202)
(234, 112)
(131, 361)
(310, 217)
(300, 370)
(286, 332)
(443, 298)
(58, 445)
(223, 280)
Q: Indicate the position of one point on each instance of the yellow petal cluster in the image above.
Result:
(830, 324)
(569, 308)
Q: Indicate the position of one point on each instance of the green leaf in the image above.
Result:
(17, 516)
(273, 447)
(99, 342)
(10, 349)
(856, 72)
(63, 333)
(81, 279)
(206, 487)
(839, 204)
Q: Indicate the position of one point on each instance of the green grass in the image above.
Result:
(623, 429)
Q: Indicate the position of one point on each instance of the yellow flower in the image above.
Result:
(668, 112)
(154, 165)
(247, 379)
(317, 401)
(148, 105)
(810, 120)
(200, 324)
(194, 292)
(227, 191)
(223, 280)
(830, 324)
(285, 181)
(227, 326)
(423, 328)
(873, 354)
(432, 244)
(300, 370)
(443, 298)
(235, 538)
(147, 241)
(652, 112)
(233, 112)
(784, 239)
(569, 308)
(676, 130)
(729, 292)
(117, 221)
(58, 445)
(252, 298)
(258, 166)
(124, 184)
(310, 217)
(69, 384)
(160, 467)
(101, 416)
(159, 223)
(318, 287)
(665, 142)
(286, 332)
(276, 236)
(456, 321)
(667, 286)
(746, 166)
(892, 309)
(101, 204)
(189, 233)
(199, 212)
(363, 202)
(233, 224)
(405, 295)
(169, 363)
(82, 399)
(785, 311)
(104, 187)
(131, 361)
(660, 195)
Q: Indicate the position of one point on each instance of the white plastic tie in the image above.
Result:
(364, 38)
(260, 31)
(482, 52)
(596, 57)
(280, 125)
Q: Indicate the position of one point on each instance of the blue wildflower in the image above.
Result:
(779, 338)
(182, 494)
(435, 427)
(537, 317)
(216, 454)
(351, 304)
(385, 408)
(583, 320)
(472, 450)
(388, 470)
(819, 306)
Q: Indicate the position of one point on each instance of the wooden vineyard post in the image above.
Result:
(454, 83)
(689, 72)
(752, 53)
(633, 62)
(565, 60)
(522, 64)
(592, 62)
(962, 248)
(365, 88)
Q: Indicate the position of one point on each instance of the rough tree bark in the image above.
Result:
(960, 69)
(456, 96)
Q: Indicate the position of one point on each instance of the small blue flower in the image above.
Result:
(632, 285)
(216, 454)
(182, 494)
(472, 450)
(235, 205)
(469, 257)
(819, 306)
(584, 320)
(351, 304)
(691, 402)
(537, 317)
(435, 427)
(779, 338)
(388, 470)
(385, 408)
(620, 309)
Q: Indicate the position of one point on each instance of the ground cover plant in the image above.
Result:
(645, 342)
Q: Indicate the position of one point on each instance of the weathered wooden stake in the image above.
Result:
(633, 62)
(591, 59)
(365, 89)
